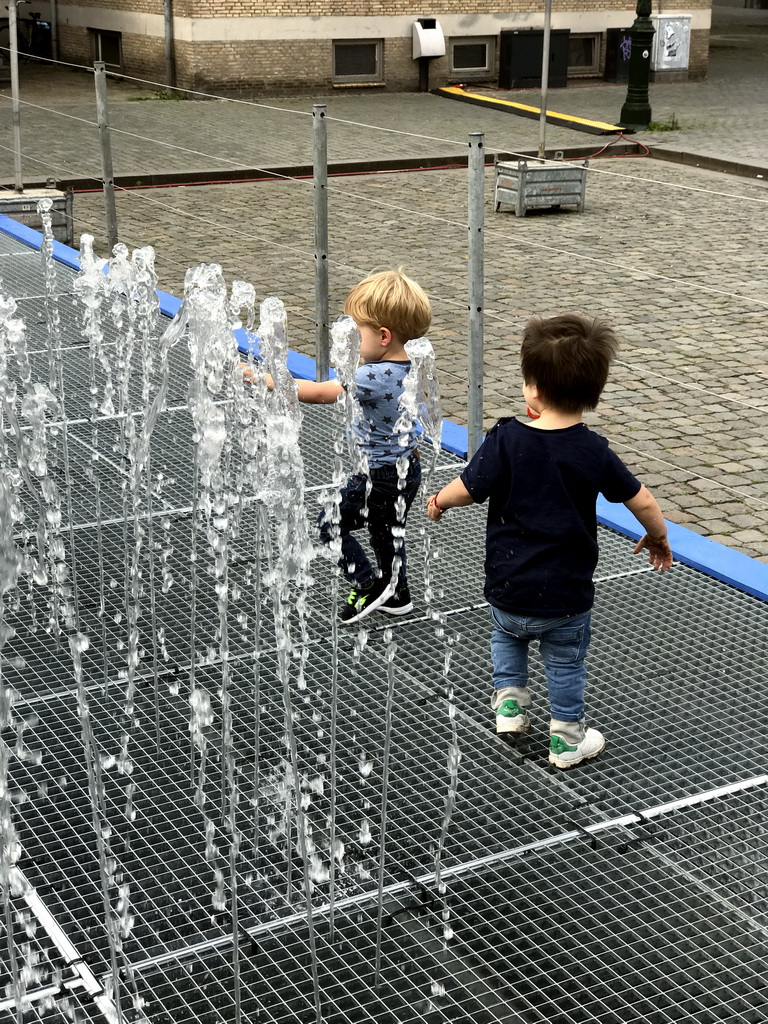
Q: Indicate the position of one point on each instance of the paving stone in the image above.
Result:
(679, 516)
(748, 536)
(744, 520)
(651, 233)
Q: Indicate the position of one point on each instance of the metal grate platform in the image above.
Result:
(575, 896)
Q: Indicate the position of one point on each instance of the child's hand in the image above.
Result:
(252, 374)
(659, 552)
(433, 510)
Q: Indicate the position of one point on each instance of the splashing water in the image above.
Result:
(247, 457)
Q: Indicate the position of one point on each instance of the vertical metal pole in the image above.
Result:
(15, 113)
(54, 29)
(636, 112)
(100, 79)
(545, 78)
(320, 175)
(476, 211)
(170, 60)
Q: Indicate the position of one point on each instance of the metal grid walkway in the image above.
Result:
(572, 896)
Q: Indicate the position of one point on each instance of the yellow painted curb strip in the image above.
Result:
(452, 90)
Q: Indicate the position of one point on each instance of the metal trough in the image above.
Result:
(23, 208)
(530, 186)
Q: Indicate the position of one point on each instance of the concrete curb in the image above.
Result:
(710, 163)
(449, 161)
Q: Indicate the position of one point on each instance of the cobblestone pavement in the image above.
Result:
(672, 256)
(725, 116)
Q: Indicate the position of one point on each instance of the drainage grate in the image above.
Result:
(568, 897)
(615, 934)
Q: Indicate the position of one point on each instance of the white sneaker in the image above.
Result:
(565, 755)
(510, 717)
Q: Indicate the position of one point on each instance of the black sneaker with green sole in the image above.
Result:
(364, 600)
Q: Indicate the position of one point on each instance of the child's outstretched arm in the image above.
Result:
(314, 392)
(645, 509)
(453, 495)
(318, 392)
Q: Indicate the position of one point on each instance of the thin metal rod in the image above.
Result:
(107, 174)
(92, 322)
(193, 614)
(391, 649)
(475, 288)
(55, 29)
(90, 748)
(320, 195)
(13, 42)
(17, 985)
(545, 78)
(170, 56)
(333, 768)
(262, 528)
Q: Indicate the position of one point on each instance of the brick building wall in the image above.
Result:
(283, 46)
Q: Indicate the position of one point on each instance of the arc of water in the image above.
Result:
(345, 356)
(421, 401)
(421, 404)
(44, 492)
(90, 288)
(248, 426)
(78, 642)
(288, 579)
(10, 566)
(391, 650)
(145, 292)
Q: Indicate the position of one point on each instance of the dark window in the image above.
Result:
(107, 46)
(474, 55)
(357, 60)
(470, 55)
(584, 53)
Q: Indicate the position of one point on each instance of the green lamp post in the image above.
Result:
(636, 112)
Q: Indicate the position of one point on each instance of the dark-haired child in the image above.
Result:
(541, 480)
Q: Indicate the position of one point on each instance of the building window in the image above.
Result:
(357, 60)
(473, 56)
(583, 54)
(107, 46)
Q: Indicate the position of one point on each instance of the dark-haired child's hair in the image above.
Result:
(567, 358)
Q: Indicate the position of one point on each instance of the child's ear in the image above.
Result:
(386, 336)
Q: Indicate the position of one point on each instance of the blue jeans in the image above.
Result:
(386, 525)
(563, 644)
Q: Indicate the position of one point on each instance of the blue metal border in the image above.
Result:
(708, 556)
(169, 304)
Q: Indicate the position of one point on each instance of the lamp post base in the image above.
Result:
(635, 116)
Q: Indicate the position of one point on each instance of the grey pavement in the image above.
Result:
(672, 255)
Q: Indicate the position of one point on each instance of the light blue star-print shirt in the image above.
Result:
(379, 389)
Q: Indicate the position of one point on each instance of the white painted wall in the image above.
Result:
(245, 29)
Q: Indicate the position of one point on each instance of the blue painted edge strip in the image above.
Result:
(708, 556)
(169, 304)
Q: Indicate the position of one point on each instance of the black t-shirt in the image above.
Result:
(541, 536)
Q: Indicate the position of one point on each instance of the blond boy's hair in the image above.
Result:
(390, 299)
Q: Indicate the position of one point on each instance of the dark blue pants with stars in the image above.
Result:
(384, 521)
